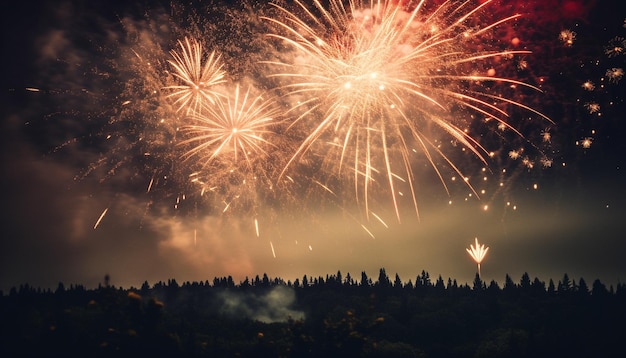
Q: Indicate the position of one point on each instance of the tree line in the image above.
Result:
(332, 315)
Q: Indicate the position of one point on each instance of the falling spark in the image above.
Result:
(256, 226)
(478, 253)
(100, 218)
(150, 184)
(367, 231)
(380, 220)
(273, 252)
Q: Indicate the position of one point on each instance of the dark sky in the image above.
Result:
(566, 218)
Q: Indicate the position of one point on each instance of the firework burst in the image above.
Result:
(478, 253)
(227, 144)
(197, 75)
(236, 127)
(374, 81)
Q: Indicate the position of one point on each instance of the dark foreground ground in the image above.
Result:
(313, 317)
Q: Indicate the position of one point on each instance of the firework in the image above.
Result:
(374, 82)
(614, 74)
(567, 37)
(227, 144)
(197, 76)
(477, 252)
(615, 47)
(235, 128)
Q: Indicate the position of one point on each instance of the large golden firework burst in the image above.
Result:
(371, 80)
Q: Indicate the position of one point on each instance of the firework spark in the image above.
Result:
(477, 252)
(373, 82)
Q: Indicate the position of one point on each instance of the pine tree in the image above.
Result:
(478, 283)
(598, 289)
(440, 285)
(383, 279)
(397, 283)
(525, 282)
(509, 285)
(583, 289)
(551, 288)
(364, 279)
(565, 285)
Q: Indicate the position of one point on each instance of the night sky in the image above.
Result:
(67, 71)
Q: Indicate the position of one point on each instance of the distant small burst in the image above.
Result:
(615, 47)
(522, 65)
(614, 74)
(588, 86)
(567, 37)
(528, 163)
(593, 107)
(546, 162)
(585, 142)
(546, 136)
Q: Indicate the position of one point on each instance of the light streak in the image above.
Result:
(367, 231)
(100, 218)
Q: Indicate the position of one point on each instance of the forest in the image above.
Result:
(332, 316)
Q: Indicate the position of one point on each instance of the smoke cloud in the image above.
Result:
(273, 306)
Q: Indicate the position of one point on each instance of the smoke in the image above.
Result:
(273, 306)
